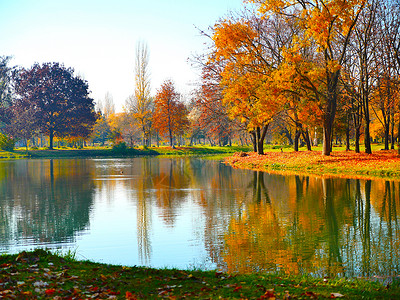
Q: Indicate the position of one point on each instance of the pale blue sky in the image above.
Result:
(97, 38)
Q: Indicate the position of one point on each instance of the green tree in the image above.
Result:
(101, 131)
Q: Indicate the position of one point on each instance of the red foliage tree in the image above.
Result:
(170, 114)
(213, 116)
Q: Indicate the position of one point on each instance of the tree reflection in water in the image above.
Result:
(44, 202)
(325, 226)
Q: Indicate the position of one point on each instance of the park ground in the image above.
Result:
(41, 274)
(384, 164)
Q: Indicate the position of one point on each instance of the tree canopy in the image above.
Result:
(58, 101)
(170, 116)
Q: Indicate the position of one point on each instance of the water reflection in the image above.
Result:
(43, 202)
(191, 211)
(329, 227)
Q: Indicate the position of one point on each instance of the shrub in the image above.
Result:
(6, 143)
(119, 147)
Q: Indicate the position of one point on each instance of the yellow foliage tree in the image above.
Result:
(326, 25)
(247, 63)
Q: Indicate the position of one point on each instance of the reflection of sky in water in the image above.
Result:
(114, 234)
(191, 212)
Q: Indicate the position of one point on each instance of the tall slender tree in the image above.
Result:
(106, 105)
(5, 88)
(140, 103)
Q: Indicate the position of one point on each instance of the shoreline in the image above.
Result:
(378, 165)
(129, 152)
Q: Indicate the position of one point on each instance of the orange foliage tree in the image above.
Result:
(247, 49)
(327, 25)
(170, 114)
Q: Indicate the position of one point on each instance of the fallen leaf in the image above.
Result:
(310, 294)
(237, 288)
(50, 291)
(336, 295)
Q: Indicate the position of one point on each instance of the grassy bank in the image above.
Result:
(12, 155)
(130, 152)
(380, 164)
(43, 275)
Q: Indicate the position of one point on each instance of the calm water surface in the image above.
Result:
(193, 212)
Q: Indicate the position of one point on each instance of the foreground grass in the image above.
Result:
(43, 275)
(379, 164)
(130, 152)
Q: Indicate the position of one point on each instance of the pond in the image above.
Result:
(199, 213)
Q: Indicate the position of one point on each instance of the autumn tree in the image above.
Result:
(59, 101)
(365, 45)
(128, 129)
(385, 102)
(170, 114)
(211, 115)
(247, 51)
(390, 12)
(140, 103)
(351, 91)
(328, 25)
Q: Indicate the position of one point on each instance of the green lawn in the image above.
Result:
(109, 152)
(43, 275)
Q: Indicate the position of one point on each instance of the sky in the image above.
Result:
(98, 38)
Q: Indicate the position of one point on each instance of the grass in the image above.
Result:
(41, 274)
(108, 152)
(379, 164)
(11, 155)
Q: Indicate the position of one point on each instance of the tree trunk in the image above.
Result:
(393, 139)
(398, 138)
(296, 140)
(386, 136)
(367, 139)
(260, 137)
(51, 139)
(330, 111)
(357, 135)
(170, 139)
(327, 141)
(306, 137)
(254, 140)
